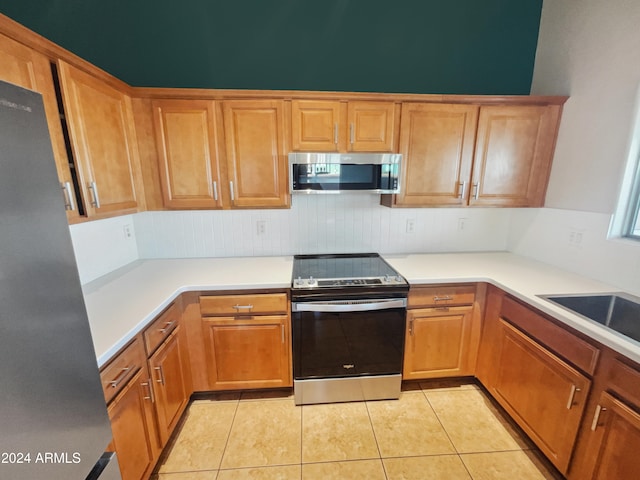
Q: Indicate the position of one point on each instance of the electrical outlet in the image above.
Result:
(411, 225)
(127, 231)
(462, 223)
(261, 227)
(575, 237)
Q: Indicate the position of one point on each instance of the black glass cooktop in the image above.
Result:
(336, 266)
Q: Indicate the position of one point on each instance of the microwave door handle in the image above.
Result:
(346, 306)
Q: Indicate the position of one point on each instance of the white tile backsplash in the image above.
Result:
(319, 224)
(357, 223)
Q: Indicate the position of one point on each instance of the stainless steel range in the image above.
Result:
(348, 313)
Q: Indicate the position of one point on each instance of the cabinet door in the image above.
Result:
(187, 153)
(248, 353)
(256, 151)
(615, 440)
(28, 69)
(134, 431)
(436, 141)
(513, 156)
(315, 126)
(100, 121)
(543, 394)
(167, 367)
(371, 126)
(438, 343)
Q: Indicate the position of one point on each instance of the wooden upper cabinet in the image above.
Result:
(100, 121)
(26, 68)
(315, 125)
(256, 148)
(436, 141)
(187, 153)
(514, 150)
(371, 127)
(333, 126)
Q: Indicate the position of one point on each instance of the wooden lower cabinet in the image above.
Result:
(438, 343)
(134, 429)
(541, 392)
(615, 440)
(250, 352)
(443, 331)
(167, 366)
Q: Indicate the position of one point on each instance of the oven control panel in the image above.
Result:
(311, 282)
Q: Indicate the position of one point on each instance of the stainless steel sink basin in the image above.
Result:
(618, 311)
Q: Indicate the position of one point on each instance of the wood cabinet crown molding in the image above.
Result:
(229, 94)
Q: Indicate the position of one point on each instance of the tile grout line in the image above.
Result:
(447, 433)
(301, 435)
(375, 437)
(226, 443)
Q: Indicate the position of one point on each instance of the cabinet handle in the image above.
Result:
(463, 189)
(572, 395)
(596, 417)
(476, 190)
(442, 299)
(167, 326)
(161, 372)
(231, 190)
(96, 198)
(335, 133)
(118, 380)
(68, 196)
(215, 191)
(411, 327)
(243, 307)
(150, 387)
(352, 133)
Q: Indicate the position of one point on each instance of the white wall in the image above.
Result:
(589, 50)
(576, 241)
(102, 246)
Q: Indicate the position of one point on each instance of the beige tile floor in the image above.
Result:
(436, 430)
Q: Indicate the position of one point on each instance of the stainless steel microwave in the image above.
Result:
(344, 172)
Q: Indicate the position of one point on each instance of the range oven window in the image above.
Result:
(346, 344)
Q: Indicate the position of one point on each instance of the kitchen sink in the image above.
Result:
(618, 311)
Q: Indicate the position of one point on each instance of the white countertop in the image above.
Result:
(121, 304)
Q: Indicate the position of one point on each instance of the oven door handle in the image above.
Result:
(349, 305)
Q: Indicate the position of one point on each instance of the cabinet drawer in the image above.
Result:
(211, 305)
(161, 328)
(441, 295)
(625, 380)
(579, 352)
(117, 373)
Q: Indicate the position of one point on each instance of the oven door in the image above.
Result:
(348, 338)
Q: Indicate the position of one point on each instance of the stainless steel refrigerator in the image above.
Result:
(53, 417)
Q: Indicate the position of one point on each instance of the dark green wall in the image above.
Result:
(415, 46)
